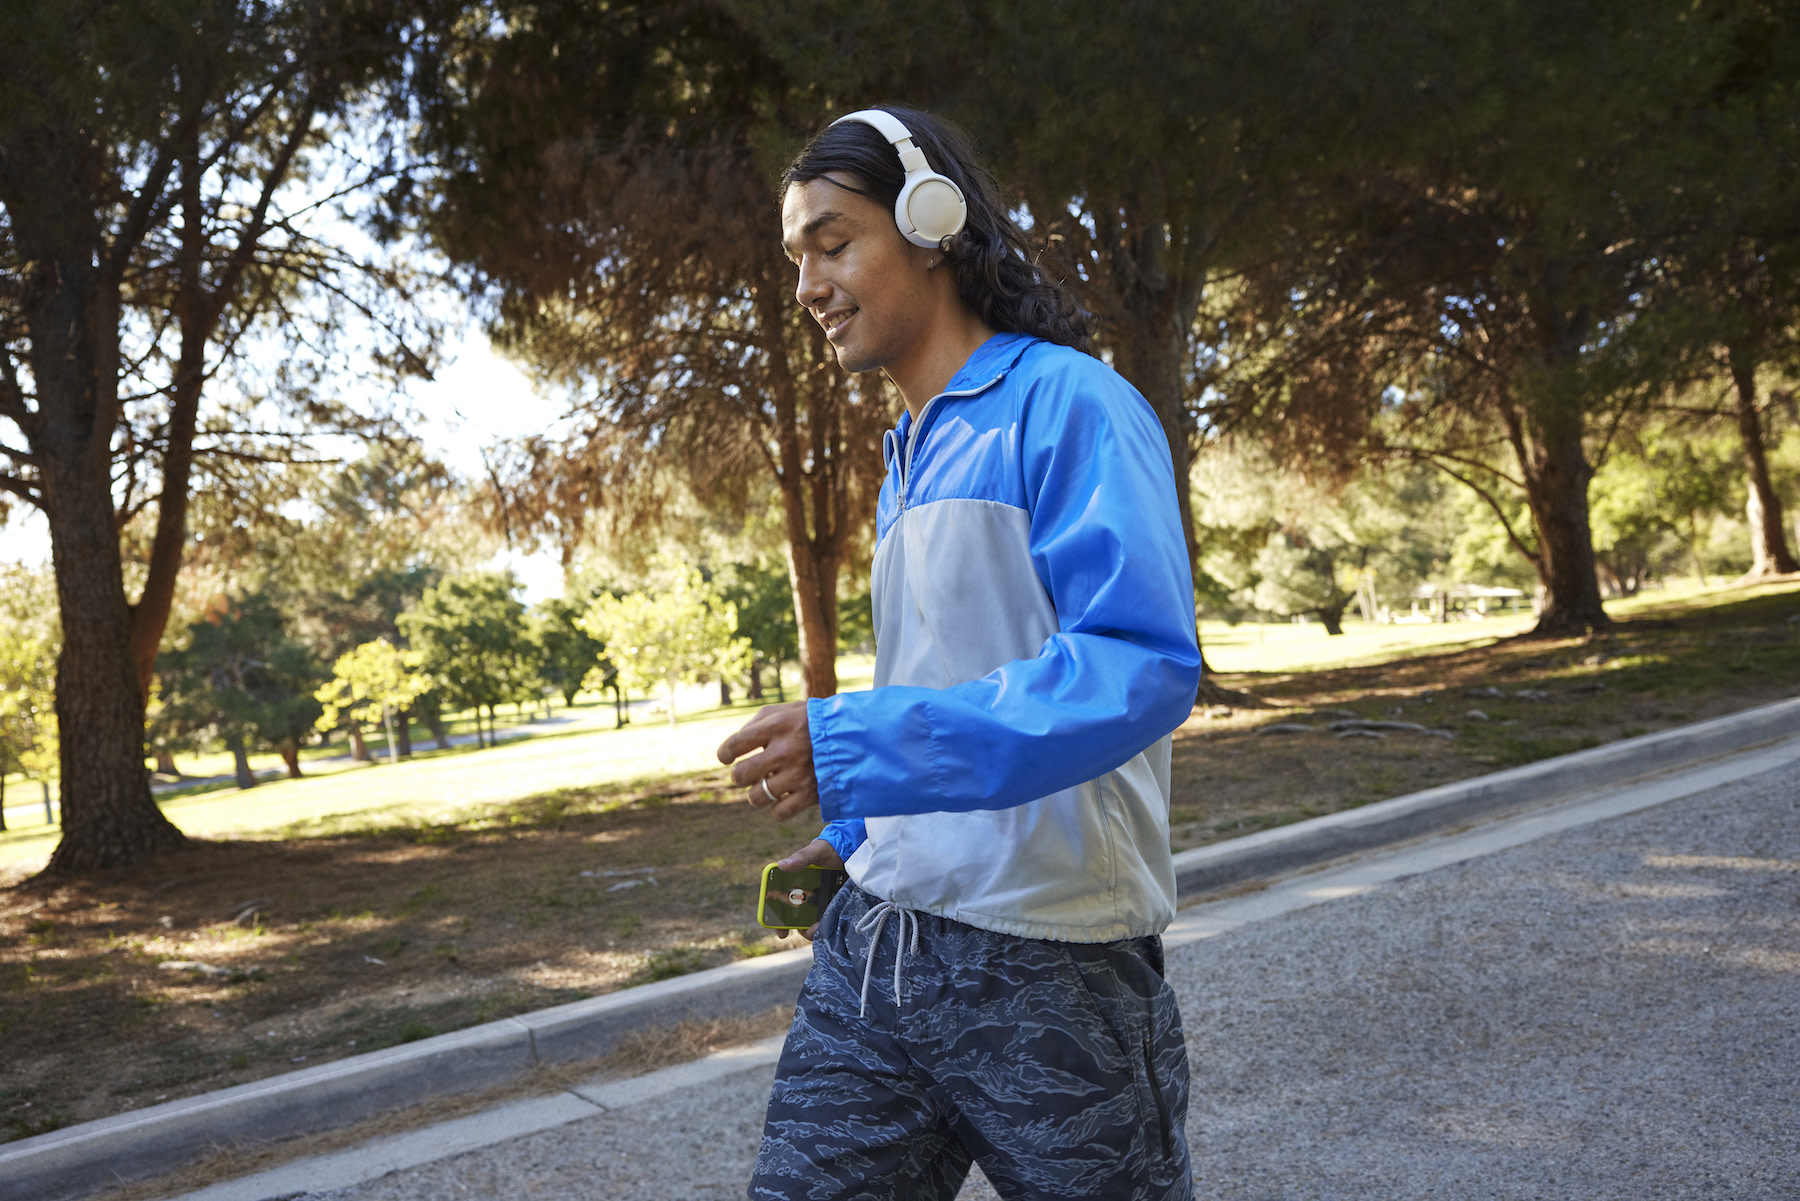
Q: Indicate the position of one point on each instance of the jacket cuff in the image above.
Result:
(824, 716)
(845, 837)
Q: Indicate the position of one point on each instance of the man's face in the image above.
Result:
(863, 282)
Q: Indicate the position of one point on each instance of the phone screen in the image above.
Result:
(795, 900)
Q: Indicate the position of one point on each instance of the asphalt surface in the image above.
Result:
(1609, 1011)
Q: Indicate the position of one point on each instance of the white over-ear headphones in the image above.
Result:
(930, 206)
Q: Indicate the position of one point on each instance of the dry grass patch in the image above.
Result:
(1483, 708)
(299, 952)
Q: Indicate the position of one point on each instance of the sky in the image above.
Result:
(476, 398)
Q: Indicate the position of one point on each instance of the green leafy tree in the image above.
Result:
(1292, 548)
(372, 683)
(1661, 490)
(28, 649)
(374, 534)
(568, 653)
(242, 680)
(678, 634)
(764, 600)
(473, 642)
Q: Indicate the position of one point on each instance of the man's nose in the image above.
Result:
(811, 288)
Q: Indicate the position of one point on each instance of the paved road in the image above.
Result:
(1609, 1011)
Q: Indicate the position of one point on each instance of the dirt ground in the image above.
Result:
(230, 962)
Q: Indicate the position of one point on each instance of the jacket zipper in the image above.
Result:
(918, 428)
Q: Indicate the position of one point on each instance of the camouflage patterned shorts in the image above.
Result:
(1061, 1067)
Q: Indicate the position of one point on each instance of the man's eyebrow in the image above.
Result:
(812, 227)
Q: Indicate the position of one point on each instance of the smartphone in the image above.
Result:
(795, 900)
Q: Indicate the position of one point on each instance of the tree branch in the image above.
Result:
(1512, 535)
(12, 397)
(1420, 453)
(21, 489)
(244, 456)
(250, 236)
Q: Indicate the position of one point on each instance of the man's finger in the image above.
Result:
(748, 771)
(766, 728)
(817, 853)
(749, 737)
(783, 805)
(794, 803)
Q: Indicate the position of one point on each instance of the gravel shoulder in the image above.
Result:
(1612, 1012)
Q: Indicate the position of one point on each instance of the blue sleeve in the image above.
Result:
(845, 836)
(1121, 671)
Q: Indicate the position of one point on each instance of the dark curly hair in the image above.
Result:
(995, 273)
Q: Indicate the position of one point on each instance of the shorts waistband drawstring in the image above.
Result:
(872, 923)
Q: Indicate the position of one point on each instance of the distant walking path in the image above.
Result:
(1591, 1001)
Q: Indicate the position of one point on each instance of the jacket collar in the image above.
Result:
(990, 363)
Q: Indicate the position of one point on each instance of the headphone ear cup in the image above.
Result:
(930, 209)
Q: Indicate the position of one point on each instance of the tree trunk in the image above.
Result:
(1693, 546)
(724, 692)
(814, 580)
(2, 794)
(1149, 321)
(1769, 551)
(755, 691)
(813, 480)
(671, 702)
(404, 730)
(1556, 473)
(109, 816)
(290, 755)
(359, 750)
(240, 760)
(165, 762)
(1150, 351)
(1333, 615)
(387, 721)
(434, 719)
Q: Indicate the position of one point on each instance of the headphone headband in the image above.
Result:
(930, 206)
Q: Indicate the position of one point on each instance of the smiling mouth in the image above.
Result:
(833, 322)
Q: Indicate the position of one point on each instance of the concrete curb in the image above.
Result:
(1287, 848)
(78, 1160)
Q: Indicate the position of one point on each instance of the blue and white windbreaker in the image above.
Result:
(1035, 647)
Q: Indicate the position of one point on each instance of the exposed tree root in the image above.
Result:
(1217, 694)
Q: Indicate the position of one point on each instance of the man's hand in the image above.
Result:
(780, 778)
(817, 853)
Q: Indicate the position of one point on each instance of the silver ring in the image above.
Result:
(765, 787)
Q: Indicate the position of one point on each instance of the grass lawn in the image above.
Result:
(354, 910)
(575, 748)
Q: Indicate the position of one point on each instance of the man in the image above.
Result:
(990, 984)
